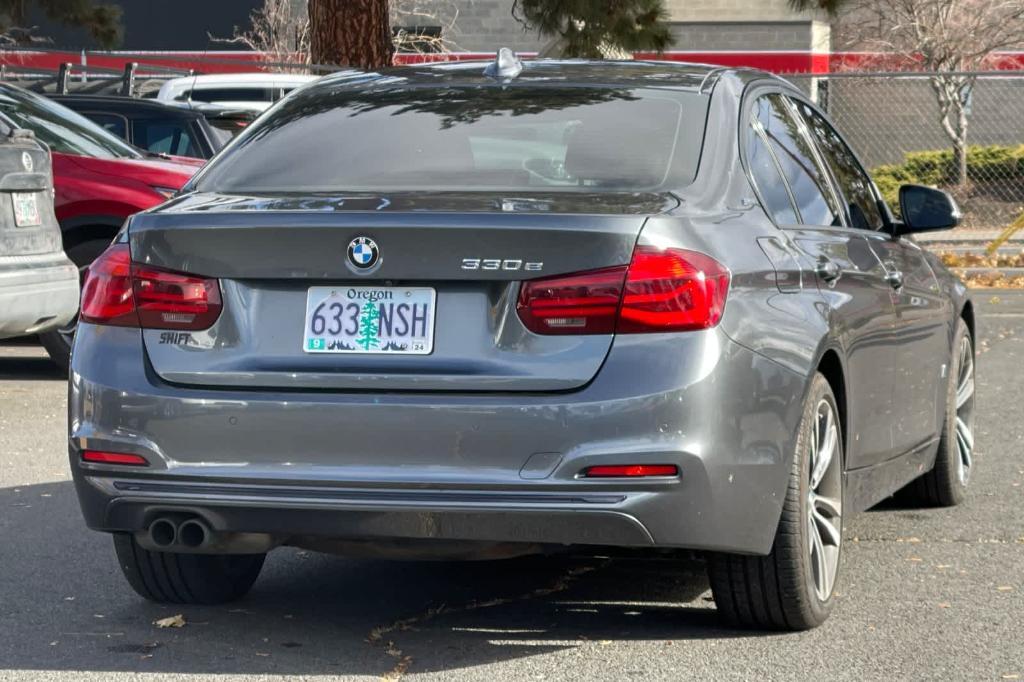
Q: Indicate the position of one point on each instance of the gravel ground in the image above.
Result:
(923, 594)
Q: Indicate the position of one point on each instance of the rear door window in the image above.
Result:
(112, 123)
(164, 137)
(768, 179)
(852, 180)
(807, 180)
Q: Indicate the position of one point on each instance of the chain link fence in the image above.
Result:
(893, 121)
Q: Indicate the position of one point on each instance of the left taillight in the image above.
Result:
(119, 292)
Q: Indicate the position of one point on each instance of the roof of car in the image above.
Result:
(175, 86)
(125, 105)
(267, 77)
(681, 75)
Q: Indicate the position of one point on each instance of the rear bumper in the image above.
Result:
(286, 512)
(476, 467)
(37, 293)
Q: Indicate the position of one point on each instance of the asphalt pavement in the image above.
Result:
(923, 593)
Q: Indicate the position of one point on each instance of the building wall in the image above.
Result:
(469, 25)
(743, 35)
(162, 25)
(483, 26)
(733, 10)
(702, 25)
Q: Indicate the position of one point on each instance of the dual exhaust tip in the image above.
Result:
(192, 533)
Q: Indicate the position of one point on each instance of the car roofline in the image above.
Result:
(661, 74)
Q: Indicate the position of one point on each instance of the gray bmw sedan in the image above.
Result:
(483, 309)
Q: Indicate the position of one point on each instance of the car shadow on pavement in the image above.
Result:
(30, 369)
(65, 606)
(16, 364)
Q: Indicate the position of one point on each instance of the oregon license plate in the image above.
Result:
(397, 320)
(26, 209)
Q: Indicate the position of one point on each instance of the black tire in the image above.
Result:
(778, 591)
(173, 578)
(946, 484)
(57, 342)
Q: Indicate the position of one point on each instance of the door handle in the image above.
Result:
(894, 278)
(828, 270)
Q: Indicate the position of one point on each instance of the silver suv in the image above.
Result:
(38, 284)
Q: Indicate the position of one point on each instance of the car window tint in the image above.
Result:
(63, 130)
(164, 137)
(806, 178)
(509, 138)
(230, 95)
(112, 123)
(853, 181)
(221, 136)
(770, 185)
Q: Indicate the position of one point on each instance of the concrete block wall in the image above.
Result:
(703, 25)
(479, 25)
(734, 10)
(743, 35)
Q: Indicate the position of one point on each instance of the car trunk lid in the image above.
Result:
(269, 252)
(28, 225)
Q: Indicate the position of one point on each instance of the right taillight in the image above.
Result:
(661, 290)
(119, 292)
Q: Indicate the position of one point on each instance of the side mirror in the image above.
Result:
(925, 209)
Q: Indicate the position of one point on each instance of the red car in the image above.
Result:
(99, 180)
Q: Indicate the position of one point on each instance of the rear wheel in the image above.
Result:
(946, 484)
(175, 578)
(57, 342)
(792, 587)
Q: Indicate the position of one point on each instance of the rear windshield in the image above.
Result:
(549, 138)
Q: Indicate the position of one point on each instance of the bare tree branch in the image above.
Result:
(942, 36)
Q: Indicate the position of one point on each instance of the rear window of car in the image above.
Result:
(468, 138)
(164, 137)
(228, 94)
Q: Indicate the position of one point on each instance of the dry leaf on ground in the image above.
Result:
(176, 621)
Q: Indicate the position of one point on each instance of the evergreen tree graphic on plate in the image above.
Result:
(369, 323)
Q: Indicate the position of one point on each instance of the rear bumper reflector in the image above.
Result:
(631, 471)
(98, 457)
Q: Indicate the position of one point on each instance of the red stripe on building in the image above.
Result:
(796, 61)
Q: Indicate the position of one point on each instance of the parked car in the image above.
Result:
(38, 284)
(249, 91)
(158, 127)
(476, 309)
(99, 180)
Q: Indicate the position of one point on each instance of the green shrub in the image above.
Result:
(889, 178)
(935, 168)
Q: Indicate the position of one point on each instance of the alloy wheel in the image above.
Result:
(965, 410)
(824, 500)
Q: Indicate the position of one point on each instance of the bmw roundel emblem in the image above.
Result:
(363, 253)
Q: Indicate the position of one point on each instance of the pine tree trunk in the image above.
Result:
(350, 33)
